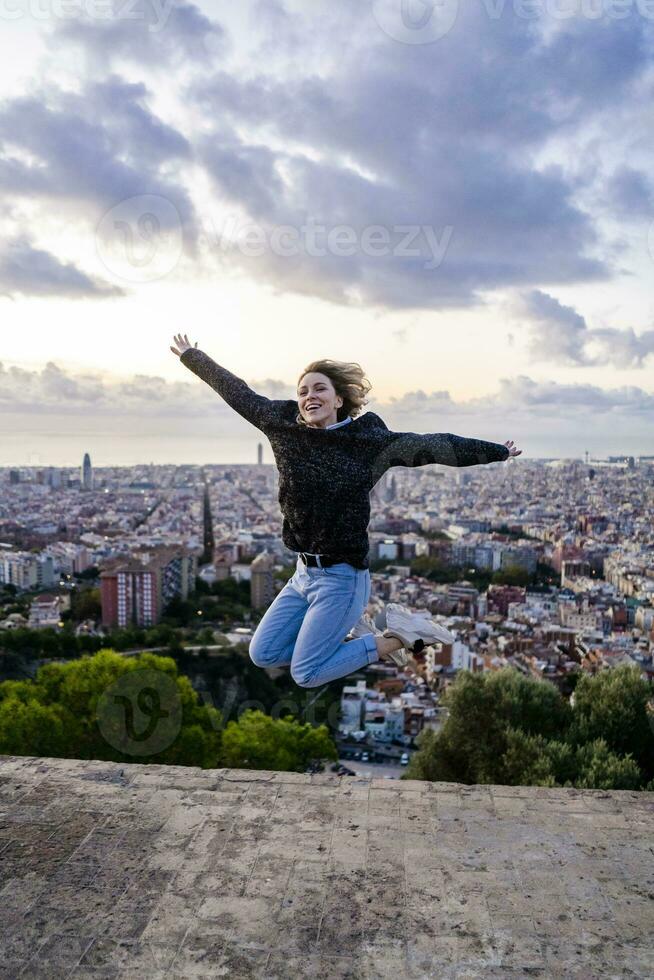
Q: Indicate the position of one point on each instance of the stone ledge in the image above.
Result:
(112, 870)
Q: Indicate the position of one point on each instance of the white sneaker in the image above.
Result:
(443, 634)
(416, 630)
(365, 625)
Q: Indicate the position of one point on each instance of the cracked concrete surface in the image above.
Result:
(132, 871)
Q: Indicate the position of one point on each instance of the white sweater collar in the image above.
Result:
(337, 424)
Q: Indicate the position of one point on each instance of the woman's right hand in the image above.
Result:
(513, 450)
(182, 344)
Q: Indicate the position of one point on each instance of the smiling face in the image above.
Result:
(317, 400)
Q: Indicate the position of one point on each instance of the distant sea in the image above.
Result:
(45, 440)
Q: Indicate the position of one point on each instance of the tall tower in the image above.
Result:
(391, 488)
(87, 473)
(260, 453)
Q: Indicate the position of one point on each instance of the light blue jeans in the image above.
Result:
(306, 624)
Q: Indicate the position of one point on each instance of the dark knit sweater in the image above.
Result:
(326, 475)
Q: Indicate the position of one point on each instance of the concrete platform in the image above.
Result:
(135, 871)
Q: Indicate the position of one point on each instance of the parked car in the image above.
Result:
(365, 757)
(404, 759)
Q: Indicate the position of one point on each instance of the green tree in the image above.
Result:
(564, 762)
(85, 604)
(28, 727)
(257, 741)
(62, 712)
(483, 707)
(613, 706)
(178, 611)
(599, 768)
(544, 577)
(512, 575)
(229, 588)
(158, 636)
(435, 570)
(526, 760)
(507, 729)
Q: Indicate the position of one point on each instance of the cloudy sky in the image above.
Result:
(458, 197)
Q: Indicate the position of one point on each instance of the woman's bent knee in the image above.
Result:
(255, 657)
(260, 651)
(264, 654)
(304, 678)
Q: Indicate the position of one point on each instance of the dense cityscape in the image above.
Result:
(541, 565)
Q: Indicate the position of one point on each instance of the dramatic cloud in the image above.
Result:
(557, 333)
(29, 271)
(631, 193)
(426, 135)
(56, 390)
(92, 150)
(165, 34)
(543, 418)
(56, 409)
(525, 395)
(399, 176)
(560, 399)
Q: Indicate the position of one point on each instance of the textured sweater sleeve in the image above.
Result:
(418, 449)
(257, 409)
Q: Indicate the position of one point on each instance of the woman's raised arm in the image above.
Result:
(257, 409)
(421, 449)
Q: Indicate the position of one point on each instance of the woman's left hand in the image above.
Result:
(512, 449)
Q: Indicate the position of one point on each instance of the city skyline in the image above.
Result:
(486, 253)
(204, 624)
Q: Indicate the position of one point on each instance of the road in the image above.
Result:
(377, 769)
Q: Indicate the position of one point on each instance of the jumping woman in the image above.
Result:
(329, 458)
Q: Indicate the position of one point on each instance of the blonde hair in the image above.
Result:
(349, 382)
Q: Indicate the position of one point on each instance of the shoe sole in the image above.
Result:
(413, 643)
(428, 636)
